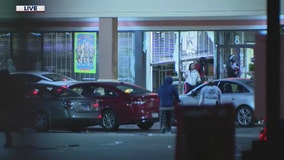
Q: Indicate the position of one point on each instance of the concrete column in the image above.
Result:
(108, 54)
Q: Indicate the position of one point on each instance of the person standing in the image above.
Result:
(192, 78)
(233, 68)
(210, 95)
(5, 105)
(11, 105)
(168, 94)
(201, 68)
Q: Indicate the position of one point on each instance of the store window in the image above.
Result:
(62, 48)
(126, 57)
(57, 53)
(196, 45)
(164, 46)
(4, 49)
(54, 51)
(27, 50)
(171, 50)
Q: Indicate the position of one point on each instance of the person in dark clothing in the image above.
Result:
(5, 105)
(233, 69)
(11, 105)
(167, 94)
(201, 68)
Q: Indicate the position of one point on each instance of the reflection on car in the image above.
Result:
(45, 77)
(123, 103)
(237, 91)
(55, 106)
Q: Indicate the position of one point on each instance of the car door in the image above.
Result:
(117, 102)
(192, 98)
(228, 92)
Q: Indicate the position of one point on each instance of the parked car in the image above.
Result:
(43, 77)
(124, 103)
(237, 91)
(53, 106)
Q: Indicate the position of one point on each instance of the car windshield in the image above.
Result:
(57, 77)
(131, 89)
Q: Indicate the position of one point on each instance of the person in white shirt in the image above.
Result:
(192, 78)
(210, 95)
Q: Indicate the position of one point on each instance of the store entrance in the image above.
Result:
(160, 72)
(243, 55)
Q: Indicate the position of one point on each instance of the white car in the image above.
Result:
(237, 91)
(43, 77)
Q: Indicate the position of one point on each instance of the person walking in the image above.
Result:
(168, 94)
(210, 95)
(192, 78)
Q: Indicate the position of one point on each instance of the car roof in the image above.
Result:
(43, 74)
(108, 84)
(232, 80)
(235, 79)
(34, 72)
(104, 83)
(242, 81)
(31, 85)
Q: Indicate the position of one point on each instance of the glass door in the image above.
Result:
(234, 61)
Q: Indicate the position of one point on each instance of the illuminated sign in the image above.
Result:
(85, 52)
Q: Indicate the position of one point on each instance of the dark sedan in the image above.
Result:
(54, 106)
(123, 103)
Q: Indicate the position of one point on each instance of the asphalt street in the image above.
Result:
(128, 143)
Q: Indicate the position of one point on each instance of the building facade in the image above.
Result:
(144, 47)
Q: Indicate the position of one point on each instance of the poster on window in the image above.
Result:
(85, 52)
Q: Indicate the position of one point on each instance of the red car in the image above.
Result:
(123, 103)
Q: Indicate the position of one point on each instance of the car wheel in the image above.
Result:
(244, 116)
(109, 121)
(145, 125)
(41, 121)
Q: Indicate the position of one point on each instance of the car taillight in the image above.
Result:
(35, 91)
(263, 135)
(263, 132)
(95, 105)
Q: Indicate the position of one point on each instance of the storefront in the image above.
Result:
(173, 51)
(144, 57)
